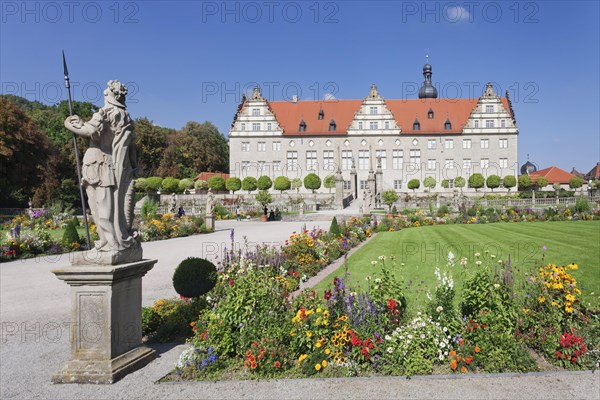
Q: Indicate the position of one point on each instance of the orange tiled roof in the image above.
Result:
(554, 175)
(205, 176)
(457, 111)
(290, 114)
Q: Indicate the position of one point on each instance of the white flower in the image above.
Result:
(478, 262)
(422, 336)
(388, 337)
(368, 278)
(450, 258)
(377, 280)
(373, 262)
(463, 261)
(381, 258)
(496, 285)
(446, 353)
(492, 256)
(419, 313)
(477, 254)
(439, 309)
(443, 345)
(445, 329)
(353, 294)
(402, 264)
(441, 357)
(410, 337)
(499, 261)
(390, 350)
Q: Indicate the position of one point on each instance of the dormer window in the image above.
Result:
(332, 126)
(447, 124)
(416, 125)
(321, 114)
(302, 126)
(430, 113)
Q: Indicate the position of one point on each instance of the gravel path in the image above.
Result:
(34, 342)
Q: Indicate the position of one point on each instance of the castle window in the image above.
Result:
(387, 124)
(373, 110)
(332, 126)
(321, 114)
(302, 126)
(476, 123)
(255, 112)
(430, 114)
(360, 125)
(416, 125)
(447, 125)
(489, 108)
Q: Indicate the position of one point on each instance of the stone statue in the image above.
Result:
(108, 173)
(210, 203)
(173, 204)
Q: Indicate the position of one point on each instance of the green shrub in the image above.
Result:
(443, 210)
(168, 320)
(389, 197)
(153, 183)
(141, 185)
(234, 184)
(282, 183)
(75, 221)
(492, 182)
(149, 209)
(194, 277)
(509, 181)
(312, 182)
(582, 205)
(170, 185)
(221, 211)
(476, 181)
(334, 228)
(216, 183)
(329, 182)
(264, 183)
(200, 184)
(70, 235)
(414, 184)
(185, 184)
(249, 184)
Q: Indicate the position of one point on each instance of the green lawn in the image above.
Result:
(422, 249)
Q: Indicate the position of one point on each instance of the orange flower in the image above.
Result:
(463, 369)
(458, 359)
(253, 365)
(477, 349)
(452, 353)
(461, 342)
(469, 359)
(453, 364)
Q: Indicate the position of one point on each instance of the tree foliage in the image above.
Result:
(282, 183)
(154, 183)
(510, 181)
(389, 197)
(170, 185)
(460, 182)
(445, 183)
(312, 182)
(575, 182)
(264, 198)
(150, 142)
(296, 184)
(524, 182)
(492, 182)
(429, 182)
(185, 184)
(264, 183)
(414, 184)
(234, 184)
(541, 182)
(476, 181)
(329, 182)
(249, 184)
(216, 183)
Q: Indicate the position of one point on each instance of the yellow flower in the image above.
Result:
(324, 363)
(318, 367)
(327, 351)
(319, 310)
(541, 299)
(292, 333)
(326, 314)
(309, 334)
(318, 345)
(325, 322)
(569, 309)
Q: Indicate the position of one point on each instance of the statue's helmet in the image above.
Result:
(115, 93)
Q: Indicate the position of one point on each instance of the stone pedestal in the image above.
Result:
(210, 222)
(106, 319)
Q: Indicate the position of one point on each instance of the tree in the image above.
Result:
(312, 182)
(575, 182)
(541, 182)
(24, 150)
(154, 183)
(510, 182)
(429, 182)
(389, 197)
(492, 182)
(170, 185)
(445, 183)
(296, 184)
(264, 198)
(67, 193)
(141, 185)
(249, 184)
(524, 182)
(216, 183)
(476, 181)
(414, 184)
(329, 182)
(334, 228)
(185, 184)
(264, 183)
(460, 182)
(234, 184)
(150, 142)
(282, 183)
(201, 184)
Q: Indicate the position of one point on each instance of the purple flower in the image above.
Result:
(544, 249)
(232, 235)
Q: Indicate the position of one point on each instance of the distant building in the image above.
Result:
(554, 175)
(594, 174)
(394, 140)
(205, 176)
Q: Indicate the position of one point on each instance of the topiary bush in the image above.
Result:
(70, 235)
(334, 229)
(194, 277)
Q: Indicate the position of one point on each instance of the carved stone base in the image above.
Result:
(115, 257)
(106, 322)
(210, 222)
(102, 372)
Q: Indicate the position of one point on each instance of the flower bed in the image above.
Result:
(254, 329)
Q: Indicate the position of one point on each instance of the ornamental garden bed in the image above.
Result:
(498, 321)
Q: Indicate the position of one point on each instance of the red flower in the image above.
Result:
(277, 364)
(391, 303)
(559, 355)
(253, 365)
(327, 295)
(574, 360)
(483, 326)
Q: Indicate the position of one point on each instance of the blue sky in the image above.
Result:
(191, 60)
